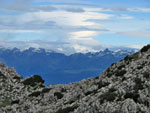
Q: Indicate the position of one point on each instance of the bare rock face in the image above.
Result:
(122, 88)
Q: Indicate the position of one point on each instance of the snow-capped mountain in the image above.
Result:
(57, 67)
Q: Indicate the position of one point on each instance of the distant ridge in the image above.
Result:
(57, 67)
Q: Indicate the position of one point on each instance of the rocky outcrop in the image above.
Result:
(124, 87)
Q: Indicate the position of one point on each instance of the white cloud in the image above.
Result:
(83, 49)
(140, 34)
(65, 18)
(83, 34)
(123, 9)
(69, 21)
(135, 46)
(139, 9)
(123, 16)
(19, 31)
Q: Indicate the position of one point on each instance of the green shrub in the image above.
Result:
(131, 95)
(67, 109)
(58, 95)
(108, 96)
(46, 90)
(139, 84)
(35, 94)
(139, 67)
(32, 81)
(135, 56)
(17, 77)
(112, 90)
(5, 102)
(1, 74)
(110, 73)
(121, 66)
(123, 78)
(90, 92)
(120, 72)
(102, 84)
(15, 102)
(146, 74)
(147, 103)
(63, 90)
(145, 48)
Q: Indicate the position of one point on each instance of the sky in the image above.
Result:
(71, 26)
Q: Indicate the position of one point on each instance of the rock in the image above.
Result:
(129, 106)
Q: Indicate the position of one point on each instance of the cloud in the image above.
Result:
(124, 9)
(138, 34)
(25, 6)
(74, 22)
(61, 20)
(61, 47)
(17, 5)
(135, 46)
(83, 34)
(75, 10)
(19, 31)
(123, 16)
(139, 9)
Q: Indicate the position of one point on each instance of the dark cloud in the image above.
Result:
(32, 25)
(115, 9)
(17, 5)
(91, 29)
(75, 4)
(74, 10)
(25, 6)
(45, 8)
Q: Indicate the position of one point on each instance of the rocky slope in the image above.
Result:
(123, 88)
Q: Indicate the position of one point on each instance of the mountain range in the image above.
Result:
(124, 87)
(58, 68)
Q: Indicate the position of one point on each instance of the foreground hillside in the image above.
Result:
(51, 65)
(123, 88)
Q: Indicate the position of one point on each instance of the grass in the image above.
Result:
(5, 102)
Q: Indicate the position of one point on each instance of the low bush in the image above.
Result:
(35, 94)
(108, 96)
(46, 90)
(102, 84)
(139, 84)
(131, 95)
(146, 74)
(120, 72)
(58, 95)
(67, 109)
(15, 102)
(5, 102)
(135, 56)
(33, 80)
(145, 48)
